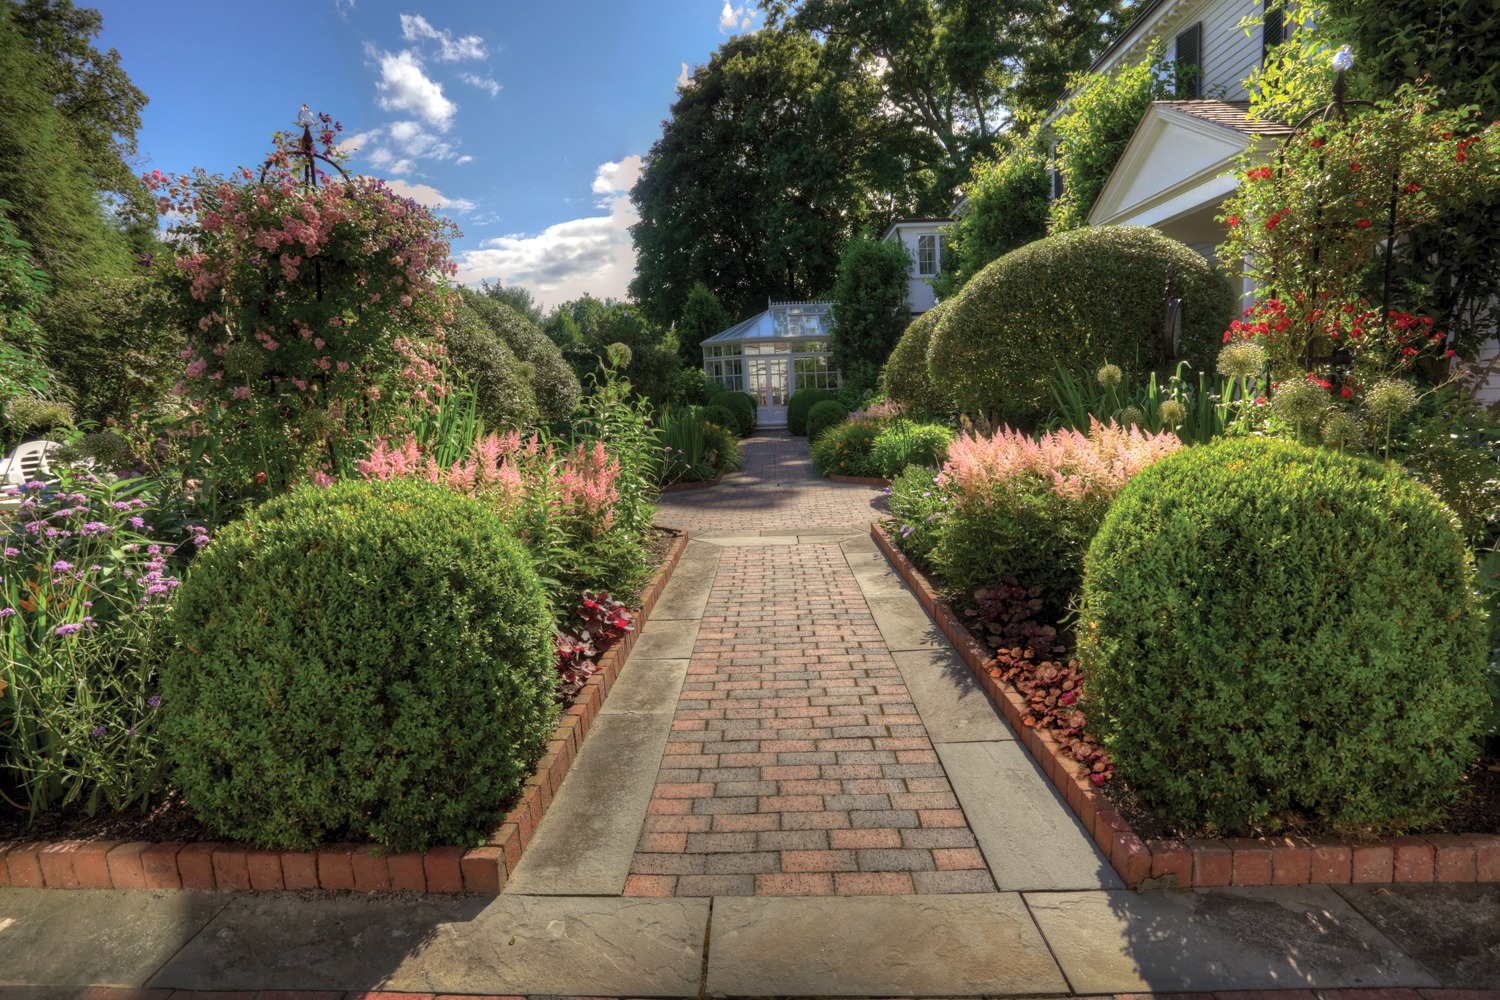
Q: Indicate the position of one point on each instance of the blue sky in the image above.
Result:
(523, 121)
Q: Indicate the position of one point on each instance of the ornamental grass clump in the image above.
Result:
(905, 443)
(1276, 635)
(1028, 507)
(369, 662)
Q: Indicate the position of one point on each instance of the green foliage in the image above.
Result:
(1076, 300)
(799, 404)
(920, 506)
(595, 331)
(824, 415)
(1102, 114)
(501, 384)
(905, 443)
(1452, 446)
(761, 174)
(723, 416)
(1213, 405)
(684, 447)
(722, 446)
(742, 405)
(23, 289)
(555, 386)
(702, 317)
(1008, 200)
(844, 449)
(518, 297)
(372, 661)
(869, 308)
(904, 377)
(1274, 633)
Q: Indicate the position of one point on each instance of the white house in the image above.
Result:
(773, 354)
(923, 239)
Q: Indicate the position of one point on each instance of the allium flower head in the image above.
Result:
(1173, 413)
(1132, 416)
(1390, 399)
(1341, 429)
(1299, 401)
(1242, 360)
(1110, 376)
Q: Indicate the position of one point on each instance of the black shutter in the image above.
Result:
(1273, 33)
(1190, 63)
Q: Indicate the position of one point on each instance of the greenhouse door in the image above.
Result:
(766, 380)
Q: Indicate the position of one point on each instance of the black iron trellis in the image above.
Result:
(310, 173)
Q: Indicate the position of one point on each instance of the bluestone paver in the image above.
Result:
(953, 706)
(1452, 929)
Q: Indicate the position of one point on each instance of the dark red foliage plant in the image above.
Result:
(1031, 658)
(604, 621)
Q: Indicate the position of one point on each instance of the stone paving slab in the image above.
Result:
(953, 706)
(646, 687)
(872, 569)
(1282, 937)
(1029, 836)
(665, 640)
(687, 591)
(905, 625)
(1452, 929)
(587, 839)
(96, 937)
(509, 945)
(888, 946)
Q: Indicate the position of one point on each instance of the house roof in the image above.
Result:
(1230, 114)
(783, 320)
(913, 222)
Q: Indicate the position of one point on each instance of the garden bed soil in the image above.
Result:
(170, 821)
(1145, 849)
(701, 484)
(859, 480)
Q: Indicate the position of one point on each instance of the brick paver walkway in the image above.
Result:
(757, 497)
(797, 763)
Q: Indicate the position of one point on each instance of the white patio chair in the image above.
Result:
(28, 463)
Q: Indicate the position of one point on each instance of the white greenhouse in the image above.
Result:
(772, 355)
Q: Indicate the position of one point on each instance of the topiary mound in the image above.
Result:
(797, 408)
(553, 381)
(1076, 300)
(370, 661)
(716, 414)
(502, 385)
(905, 377)
(1273, 633)
(742, 405)
(828, 413)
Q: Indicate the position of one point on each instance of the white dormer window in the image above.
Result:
(929, 253)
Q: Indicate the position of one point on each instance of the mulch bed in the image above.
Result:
(1477, 809)
(170, 818)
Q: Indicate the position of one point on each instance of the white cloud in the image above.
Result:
(414, 27)
(570, 258)
(423, 194)
(405, 86)
(417, 141)
(617, 178)
(343, 7)
(464, 159)
(732, 17)
(683, 78)
(482, 82)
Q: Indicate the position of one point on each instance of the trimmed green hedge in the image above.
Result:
(373, 661)
(1272, 633)
(1076, 300)
(552, 379)
(797, 408)
(905, 378)
(742, 405)
(828, 413)
(502, 385)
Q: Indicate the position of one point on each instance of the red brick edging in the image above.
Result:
(859, 480)
(112, 864)
(1470, 857)
(701, 485)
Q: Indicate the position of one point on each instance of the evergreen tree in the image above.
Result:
(869, 308)
(702, 317)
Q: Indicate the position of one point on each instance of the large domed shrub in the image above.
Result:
(374, 660)
(824, 416)
(555, 384)
(1271, 631)
(1076, 300)
(905, 377)
(502, 385)
(798, 406)
(742, 405)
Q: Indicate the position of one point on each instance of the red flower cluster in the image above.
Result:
(1259, 174)
(605, 620)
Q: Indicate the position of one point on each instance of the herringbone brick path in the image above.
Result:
(798, 764)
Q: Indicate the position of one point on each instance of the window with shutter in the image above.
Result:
(1190, 63)
(1273, 31)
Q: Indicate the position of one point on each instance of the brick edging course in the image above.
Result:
(701, 485)
(1470, 857)
(114, 864)
(859, 480)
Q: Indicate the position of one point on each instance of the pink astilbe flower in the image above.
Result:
(387, 462)
(588, 485)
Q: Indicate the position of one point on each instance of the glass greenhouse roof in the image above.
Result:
(782, 321)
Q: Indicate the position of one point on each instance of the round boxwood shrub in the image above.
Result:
(1273, 633)
(1078, 300)
(716, 414)
(828, 413)
(742, 405)
(905, 443)
(905, 377)
(554, 383)
(501, 384)
(373, 661)
(797, 408)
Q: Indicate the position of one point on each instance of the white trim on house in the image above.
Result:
(909, 232)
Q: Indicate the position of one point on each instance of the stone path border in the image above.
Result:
(1236, 861)
(859, 480)
(688, 487)
(113, 864)
(108, 993)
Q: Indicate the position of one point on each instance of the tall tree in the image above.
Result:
(702, 317)
(869, 308)
(761, 174)
(518, 297)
